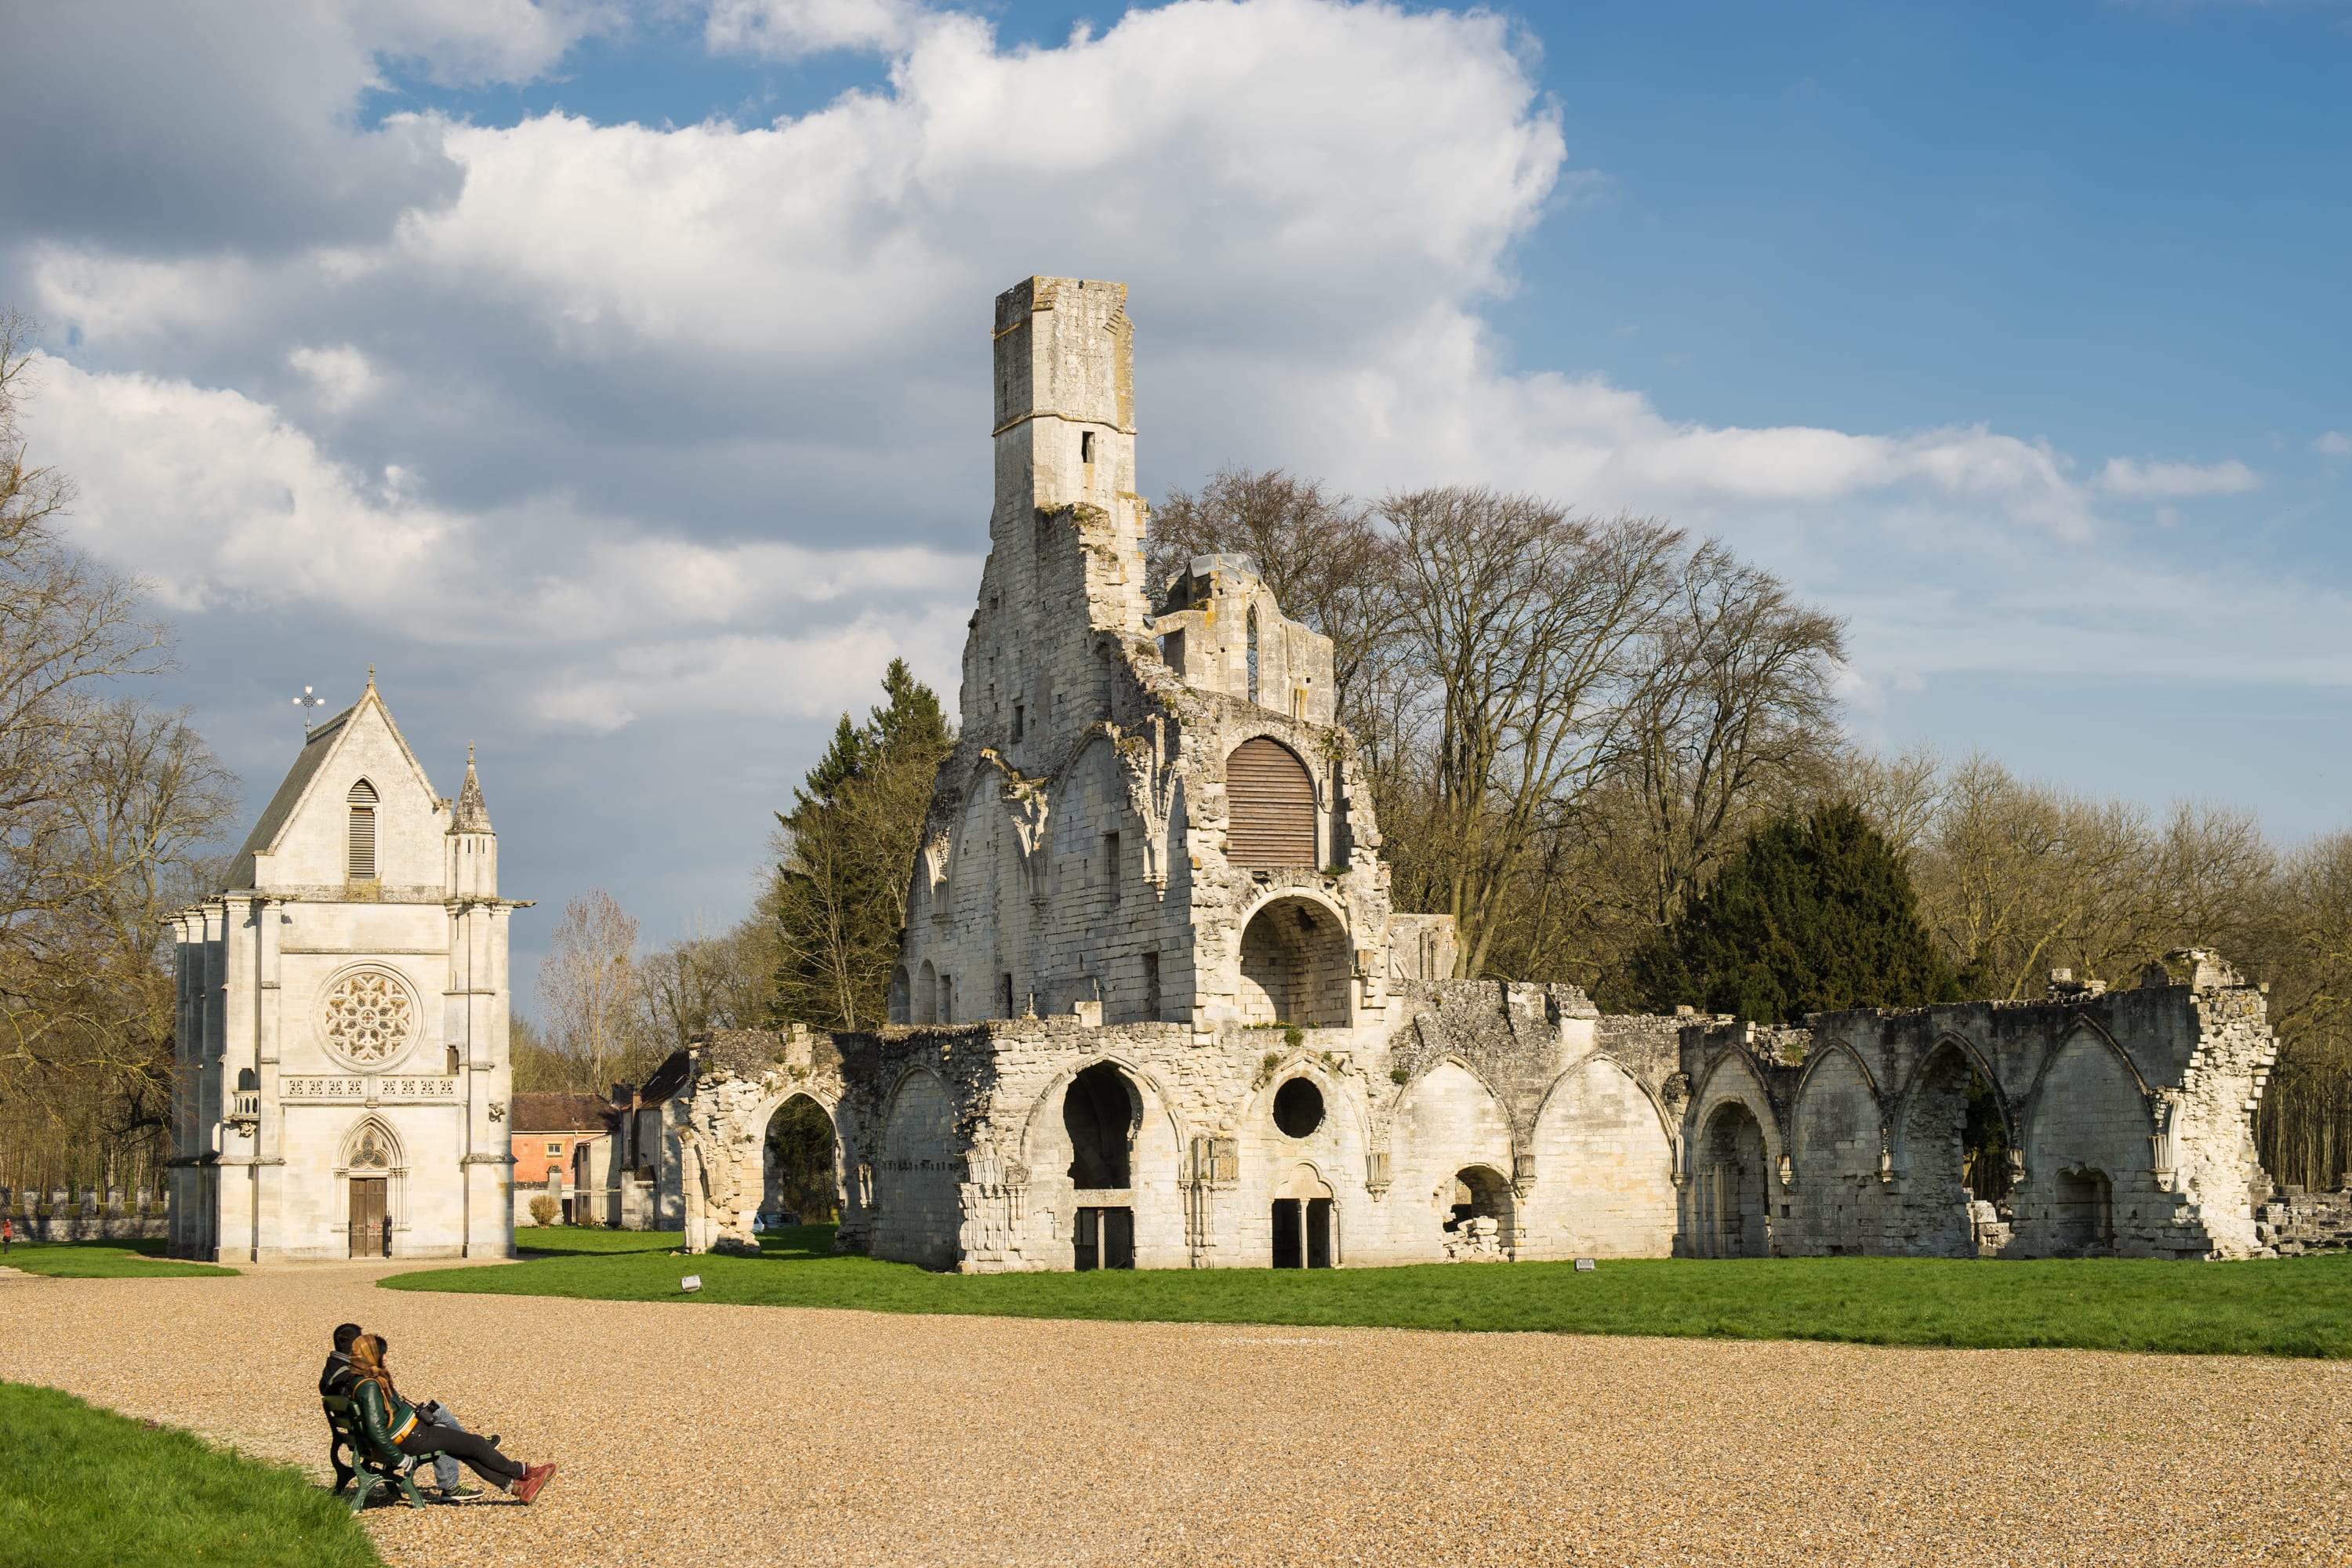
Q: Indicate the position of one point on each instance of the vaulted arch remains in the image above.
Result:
(1604, 1168)
(2088, 1153)
(1447, 1122)
(1838, 1204)
(916, 1211)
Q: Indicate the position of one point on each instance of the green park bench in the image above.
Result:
(370, 1465)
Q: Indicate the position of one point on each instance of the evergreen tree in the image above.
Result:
(1814, 914)
(848, 848)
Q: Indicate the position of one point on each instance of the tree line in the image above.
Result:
(113, 814)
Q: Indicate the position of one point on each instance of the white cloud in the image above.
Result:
(788, 29)
(479, 42)
(2333, 443)
(2154, 480)
(341, 374)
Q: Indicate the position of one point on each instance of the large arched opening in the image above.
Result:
(1101, 1111)
(1727, 1187)
(802, 1183)
(1955, 1158)
(1294, 967)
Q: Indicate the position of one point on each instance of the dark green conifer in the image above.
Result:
(1815, 914)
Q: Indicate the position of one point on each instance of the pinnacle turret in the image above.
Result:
(472, 816)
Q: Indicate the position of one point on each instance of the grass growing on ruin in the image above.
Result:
(103, 1261)
(84, 1487)
(2286, 1307)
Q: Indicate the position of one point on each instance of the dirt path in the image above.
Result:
(694, 1435)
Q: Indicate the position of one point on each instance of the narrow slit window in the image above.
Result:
(1110, 867)
(362, 838)
(1086, 446)
(1253, 653)
(1018, 713)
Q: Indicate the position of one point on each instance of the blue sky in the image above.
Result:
(2014, 333)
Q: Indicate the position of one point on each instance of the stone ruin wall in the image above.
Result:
(2127, 1114)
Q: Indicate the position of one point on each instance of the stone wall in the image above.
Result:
(2128, 1115)
(63, 1216)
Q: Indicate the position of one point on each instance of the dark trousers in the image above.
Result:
(487, 1461)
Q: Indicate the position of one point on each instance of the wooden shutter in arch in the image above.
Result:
(1273, 804)
(362, 839)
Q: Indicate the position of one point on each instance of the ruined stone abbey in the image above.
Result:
(1154, 1010)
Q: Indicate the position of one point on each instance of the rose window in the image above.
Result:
(368, 1017)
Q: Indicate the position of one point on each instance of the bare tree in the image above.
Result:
(109, 811)
(1526, 624)
(1732, 714)
(589, 987)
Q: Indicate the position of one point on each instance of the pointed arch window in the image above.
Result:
(362, 838)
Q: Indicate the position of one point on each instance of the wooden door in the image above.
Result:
(369, 1235)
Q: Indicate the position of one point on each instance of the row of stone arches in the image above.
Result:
(1949, 1165)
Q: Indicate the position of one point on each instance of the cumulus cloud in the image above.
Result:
(788, 29)
(2158, 480)
(658, 423)
(2333, 443)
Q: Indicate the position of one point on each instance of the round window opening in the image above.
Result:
(1299, 1108)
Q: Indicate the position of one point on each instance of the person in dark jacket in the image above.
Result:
(395, 1425)
(334, 1381)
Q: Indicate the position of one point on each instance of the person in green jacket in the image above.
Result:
(394, 1427)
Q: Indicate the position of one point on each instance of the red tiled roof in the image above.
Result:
(561, 1113)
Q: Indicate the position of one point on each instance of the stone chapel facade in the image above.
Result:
(341, 1019)
(1154, 1010)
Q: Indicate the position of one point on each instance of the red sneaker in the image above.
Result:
(533, 1477)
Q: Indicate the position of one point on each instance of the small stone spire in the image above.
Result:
(472, 815)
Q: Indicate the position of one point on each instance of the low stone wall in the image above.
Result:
(62, 1215)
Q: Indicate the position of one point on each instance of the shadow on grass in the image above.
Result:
(136, 1260)
(2285, 1307)
(85, 1487)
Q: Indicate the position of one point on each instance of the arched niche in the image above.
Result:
(1836, 1198)
(1730, 1186)
(1604, 1168)
(1295, 965)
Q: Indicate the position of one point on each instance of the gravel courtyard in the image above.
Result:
(694, 1435)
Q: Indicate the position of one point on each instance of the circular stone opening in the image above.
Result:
(1299, 1108)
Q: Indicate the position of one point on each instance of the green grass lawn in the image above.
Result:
(103, 1261)
(2289, 1307)
(84, 1487)
(576, 1241)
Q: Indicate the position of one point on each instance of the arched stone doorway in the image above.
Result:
(1954, 1152)
(1728, 1196)
(1101, 1111)
(1481, 1221)
(802, 1181)
(1294, 967)
(1302, 1221)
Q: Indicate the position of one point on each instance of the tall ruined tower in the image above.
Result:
(1083, 851)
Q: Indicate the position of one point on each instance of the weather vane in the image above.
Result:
(308, 701)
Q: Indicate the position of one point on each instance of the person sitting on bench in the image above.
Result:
(393, 1425)
(335, 1383)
